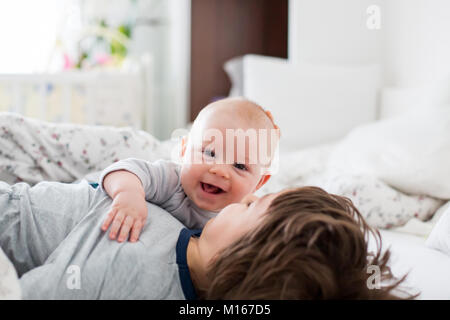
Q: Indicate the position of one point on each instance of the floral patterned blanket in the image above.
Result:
(382, 205)
(32, 150)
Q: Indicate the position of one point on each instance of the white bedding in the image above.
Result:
(382, 205)
(428, 268)
(33, 150)
(410, 152)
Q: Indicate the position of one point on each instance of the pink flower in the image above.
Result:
(103, 58)
(68, 63)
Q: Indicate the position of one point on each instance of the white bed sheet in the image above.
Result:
(428, 268)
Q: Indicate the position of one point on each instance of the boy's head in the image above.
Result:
(228, 152)
(308, 244)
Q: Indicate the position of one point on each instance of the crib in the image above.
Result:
(107, 97)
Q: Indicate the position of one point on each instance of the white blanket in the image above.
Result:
(410, 152)
(382, 205)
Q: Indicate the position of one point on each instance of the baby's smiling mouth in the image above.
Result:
(209, 188)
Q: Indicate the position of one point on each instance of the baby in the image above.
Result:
(220, 165)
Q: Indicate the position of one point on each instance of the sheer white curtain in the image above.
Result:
(28, 31)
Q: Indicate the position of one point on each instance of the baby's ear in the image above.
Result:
(262, 181)
(183, 145)
(269, 114)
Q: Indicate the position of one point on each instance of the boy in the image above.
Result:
(208, 179)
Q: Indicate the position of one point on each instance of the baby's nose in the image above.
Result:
(220, 170)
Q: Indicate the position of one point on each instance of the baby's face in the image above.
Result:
(216, 170)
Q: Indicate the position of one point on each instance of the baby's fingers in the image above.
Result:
(136, 231)
(115, 226)
(125, 229)
(109, 219)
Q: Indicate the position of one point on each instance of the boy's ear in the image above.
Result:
(183, 145)
(262, 181)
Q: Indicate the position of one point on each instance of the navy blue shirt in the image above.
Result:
(185, 275)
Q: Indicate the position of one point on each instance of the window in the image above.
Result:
(28, 31)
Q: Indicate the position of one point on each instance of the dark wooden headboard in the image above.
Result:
(223, 29)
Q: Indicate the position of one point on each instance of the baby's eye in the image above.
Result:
(240, 166)
(209, 153)
(249, 203)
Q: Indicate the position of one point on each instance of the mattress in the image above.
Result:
(428, 269)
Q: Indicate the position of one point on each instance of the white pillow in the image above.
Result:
(397, 100)
(234, 70)
(312, 104)
(439, 237)
(410, 152)
(9, 283)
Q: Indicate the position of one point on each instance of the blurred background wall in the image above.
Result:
(189, 41)
(412, 44)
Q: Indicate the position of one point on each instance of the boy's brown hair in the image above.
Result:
(311, 245)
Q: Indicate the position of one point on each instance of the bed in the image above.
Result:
(405, 236)
(394, 170)
(337, 135)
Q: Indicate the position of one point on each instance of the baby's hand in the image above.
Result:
(128, 213)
